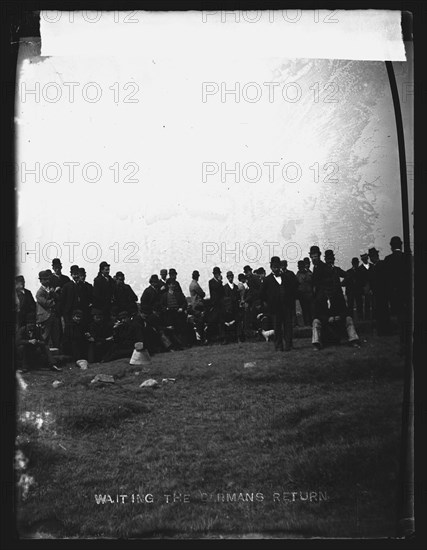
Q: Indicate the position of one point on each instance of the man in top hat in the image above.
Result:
(278, 292)
(197, 294)
(172, 277)
(353, 289)
(215, 315)
(252, 299)
(231, 302)
(365, 276)
(70, 298)
(103, 290)
(47, 305)
(397, 283)
(86, 295)
(330, 314)
(379, 293)
(26, 305)
(124, 298)
(58, 279)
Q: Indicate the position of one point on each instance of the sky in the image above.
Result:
(154, 157)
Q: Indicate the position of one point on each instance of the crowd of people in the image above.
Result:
(103, 322)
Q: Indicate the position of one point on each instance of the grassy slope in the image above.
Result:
(302, 421)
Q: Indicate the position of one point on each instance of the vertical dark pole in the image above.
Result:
(405, 504)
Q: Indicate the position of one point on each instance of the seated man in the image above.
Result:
(32, 351)
(101, 336)
(125, 335)
(332, 321)
(159, 340)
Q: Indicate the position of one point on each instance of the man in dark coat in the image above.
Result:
(103, 290)
(71, 295)
(396, 271)
(172, 277)
(305, 292)
(26, 305)
(125, 335)
(86, 295)
(364, 278)
(231, 305)
(58, 280)
(151, 296)
(124, 298)
(353, 289)
(252, 299)
(215, 318)
(379, 293)
(278, 292)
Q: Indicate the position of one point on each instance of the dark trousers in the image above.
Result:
(381, 313)
(282, 323)
(33, 356)
(352, 299)
(97, 350)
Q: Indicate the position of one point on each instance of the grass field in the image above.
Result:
(303, 444)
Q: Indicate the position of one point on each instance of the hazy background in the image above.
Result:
(344, 115)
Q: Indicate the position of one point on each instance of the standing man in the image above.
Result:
(364, 274)
(305, 292)
(86, 295)
(162, 280)
(252, 299)
(71, 295)
(103, 290)
(197, 294)
(58, 280)
(231, 308)
(380, 306)
(278, 293)
(26, 305)
(172, 277)
(307, 264)
(216, 292)
(353, 289)
(396, 273)
(47, 317)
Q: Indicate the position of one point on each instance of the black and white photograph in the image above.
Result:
(213, 310)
